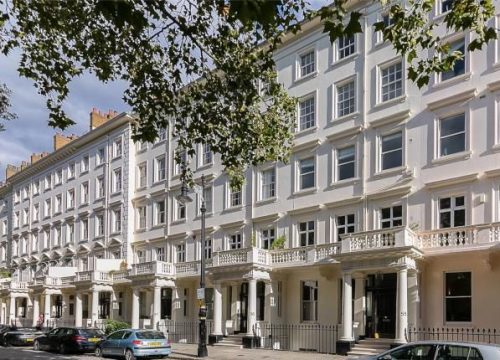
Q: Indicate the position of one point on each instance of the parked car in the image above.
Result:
(439, 350)
(66, 339)
(18, 336)
(133, 344)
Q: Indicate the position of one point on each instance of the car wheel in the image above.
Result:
(98, 352)
(36, 345)
(129, 355)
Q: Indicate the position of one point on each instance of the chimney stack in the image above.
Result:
(61, 140)
(10, 170)
(98, 118)
(35, 157)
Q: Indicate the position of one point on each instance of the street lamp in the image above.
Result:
(184, 198)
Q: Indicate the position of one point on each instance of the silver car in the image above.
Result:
(439, 350)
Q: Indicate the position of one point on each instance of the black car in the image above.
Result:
(65, 340)
(19, 336)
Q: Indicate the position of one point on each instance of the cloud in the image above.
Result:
(30, 132)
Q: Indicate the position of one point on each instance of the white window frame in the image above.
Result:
(304, 98)
(84, 193)
(299, 175)
(229, 197)
(336, 108)
(445, 296)
(178, 206)
(379, 36)
(306, 232)
(117, 180)
(206, 157)
(158, 212)
(70, 199)
(160, 173)
(117, 147)
(448, 112)
(380, 138)
(142, 179)
(100, 156)
(235, 241)
(99, 187)
(142, 217)
(117, 220)
(298, 63)
(71, 171)
(209, 200)
(85, 164)
(338, 49)
(261, 183)
(267, 236)
(314, 302)
(99, 225)
(178, 166)
(180, 253)
(438, 77)
(346, 226)
(392, 218)
(336, 163)
(84, 228)
(380, 69)
(70, 232)
(440, 138)
(453, 207)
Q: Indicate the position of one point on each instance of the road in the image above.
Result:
(14, 353)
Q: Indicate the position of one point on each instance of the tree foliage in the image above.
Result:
(5, 113)
(200, 65)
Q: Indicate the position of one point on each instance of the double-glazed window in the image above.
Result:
(235, 197)
(451, 211)
(309, 300)
(345, 225)
(391, 216)
(117, 180)
(160, 166)
(452, 135)
(267, 238)
(391, 82)
(306, 233)
(307, 113)
(235, 242)
(306, 173)
(391, 151)
(458, 297)
(181, 253)
(206, 156)
(142, 176)
(160, 212)
(141, 217)
(459, 66)
(346, 46)
(346, 163)
(307, 63)
(346, 98)
(268, 183)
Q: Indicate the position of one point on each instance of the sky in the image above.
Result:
(30, 132)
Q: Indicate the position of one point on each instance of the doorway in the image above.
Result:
(243, 317)
(381, 305)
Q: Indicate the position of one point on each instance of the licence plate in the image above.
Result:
(29, 340)
(94, 339)
(155, 344)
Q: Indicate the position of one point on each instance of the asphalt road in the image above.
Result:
(21, 353)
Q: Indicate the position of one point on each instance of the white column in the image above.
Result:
(12, 309)
(95, 306)
(65, 304)
(78, 309)
(217, 309)
(402, 306)
(135, 308)
(47, 306)
(347, 308)
(156, 306)
(36, 309)
(2, 313)
(176, 304)
(113, 314)
(413, 299)
(252, 306)
(360, 304)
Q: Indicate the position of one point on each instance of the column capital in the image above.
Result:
(358, 276)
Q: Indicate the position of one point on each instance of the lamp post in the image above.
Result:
(184, 198)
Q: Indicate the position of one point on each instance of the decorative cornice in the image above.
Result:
(306, 210)
(452, 181)
(235, 224)
(397, 191)
(349, 201)
(453, 99)
(492, 173)
(399, 117)
(345, 133)
(309, 145)
(494, 86)
(268, 218)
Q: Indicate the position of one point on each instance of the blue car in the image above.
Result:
(133, 344)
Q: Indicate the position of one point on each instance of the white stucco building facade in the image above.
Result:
(388, 212)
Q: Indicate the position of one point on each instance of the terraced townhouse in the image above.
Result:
(387, 217)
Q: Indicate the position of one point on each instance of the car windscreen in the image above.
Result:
(149, 335)
(91, 332)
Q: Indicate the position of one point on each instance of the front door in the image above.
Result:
(381, 305)
(243, 307)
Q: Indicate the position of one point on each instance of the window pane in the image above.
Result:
(445, 220)
(386, 213)
(459, 218)
(391, 160)
(444, 203)
(458, 284)
(397, 211)
(459, 201)
(459, 67)
(307, 113)
(453, 144)
(345, 99)
(392, 142)
(458, 309)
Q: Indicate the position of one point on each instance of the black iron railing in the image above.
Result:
(298, 337)
(489, 336)
(183, 331)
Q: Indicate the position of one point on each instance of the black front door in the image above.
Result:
(381, 305)
(243, 307)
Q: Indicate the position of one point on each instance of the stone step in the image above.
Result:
(377, 341)
(371, 346)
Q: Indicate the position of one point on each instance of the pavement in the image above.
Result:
(180, 351)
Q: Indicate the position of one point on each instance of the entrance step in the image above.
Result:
(234, 341)
(367, 347)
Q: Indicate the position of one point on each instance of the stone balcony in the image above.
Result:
(154, 268)
(93, 276)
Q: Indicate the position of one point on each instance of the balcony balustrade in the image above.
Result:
(152, 268)
(93, 276)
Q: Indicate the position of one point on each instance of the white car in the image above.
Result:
(440, 350)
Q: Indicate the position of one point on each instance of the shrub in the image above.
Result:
(113, 325)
